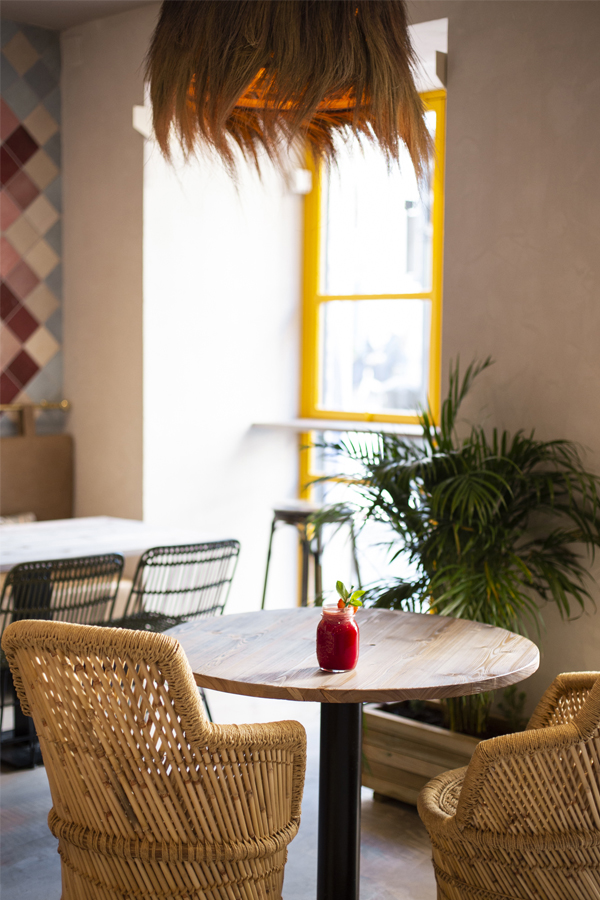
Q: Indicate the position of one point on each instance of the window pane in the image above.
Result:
(328, 461)
(376, 546)
(377, 225)
(374, 355)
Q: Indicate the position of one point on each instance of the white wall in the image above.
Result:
(165, 389)
(221, 345)
(103, 192)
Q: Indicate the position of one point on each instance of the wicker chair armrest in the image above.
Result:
(288, 735)
(266, 739)
(432, 803)
(563, 700)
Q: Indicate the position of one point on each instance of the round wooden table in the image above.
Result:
(402, 656)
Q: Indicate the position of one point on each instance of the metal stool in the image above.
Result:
(297, 512)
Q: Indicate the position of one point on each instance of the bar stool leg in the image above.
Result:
(264, 596)
(318, 570)
(206, 706)
(305, 555)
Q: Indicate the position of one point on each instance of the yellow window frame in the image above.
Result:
(312, 299)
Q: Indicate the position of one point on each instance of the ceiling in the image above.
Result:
(60, 14)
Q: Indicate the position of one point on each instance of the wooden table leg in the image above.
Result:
(338, 865)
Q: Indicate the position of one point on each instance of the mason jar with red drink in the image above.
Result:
(337, 632)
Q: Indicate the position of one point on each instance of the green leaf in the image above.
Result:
(341, 589)
(493, 524)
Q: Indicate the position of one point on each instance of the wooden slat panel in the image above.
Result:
(397, 790)
(406, 731)
(36, 475)
(403, 762)
(393, 778)
(413, 750)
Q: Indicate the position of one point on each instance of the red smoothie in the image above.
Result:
(337, 639)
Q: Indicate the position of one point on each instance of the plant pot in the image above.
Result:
(401, 755)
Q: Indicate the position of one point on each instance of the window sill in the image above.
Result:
(303, 425)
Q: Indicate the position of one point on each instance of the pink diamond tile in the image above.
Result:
(9, 345)
(8, 388)
(8, 120)
(8, 257)
(22, 190)
(22, 280)
(22, 368)
(9, 211)
(22, 324)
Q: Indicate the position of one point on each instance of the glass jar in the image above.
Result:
(337, 639)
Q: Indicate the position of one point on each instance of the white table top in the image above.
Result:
(68, 538)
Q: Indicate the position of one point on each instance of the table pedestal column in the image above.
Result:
(339, 802)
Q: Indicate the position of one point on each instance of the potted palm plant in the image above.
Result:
(492, 525)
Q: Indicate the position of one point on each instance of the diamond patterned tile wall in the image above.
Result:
(30, 213)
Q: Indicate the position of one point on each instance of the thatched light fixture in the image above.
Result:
(264, 73)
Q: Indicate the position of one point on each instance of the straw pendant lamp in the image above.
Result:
(264, 74)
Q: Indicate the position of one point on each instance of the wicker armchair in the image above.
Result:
(522, 820)
(150, 800)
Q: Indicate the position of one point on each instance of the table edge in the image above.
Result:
(352, 695)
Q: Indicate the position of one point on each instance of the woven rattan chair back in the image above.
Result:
(79, 590)
(523, 819)
(174, 584)
(149, 799)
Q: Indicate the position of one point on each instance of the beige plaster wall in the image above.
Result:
(522, 238)
(103, 193)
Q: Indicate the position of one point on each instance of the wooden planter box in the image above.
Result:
(401, 755)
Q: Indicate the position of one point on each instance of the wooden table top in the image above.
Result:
(68, 538)
(402, 655)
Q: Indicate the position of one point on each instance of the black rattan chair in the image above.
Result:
(81, 590)
(176, 584)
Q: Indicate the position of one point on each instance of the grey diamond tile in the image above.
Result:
(54, 193)
(7, 31)
(54, 281)
(39, 38)
(7, 74)
(51, 58)
(47, 384)
(40, 79)
(21, 99)
(54, 324)
(52, 103)
(54, 237)
(53, 148)
(8, 427)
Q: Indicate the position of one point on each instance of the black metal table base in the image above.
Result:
(338, 866)
(18, 752)
(20, 747)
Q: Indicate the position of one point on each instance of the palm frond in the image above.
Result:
(496, 525)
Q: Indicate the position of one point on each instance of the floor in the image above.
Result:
(395, 859)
